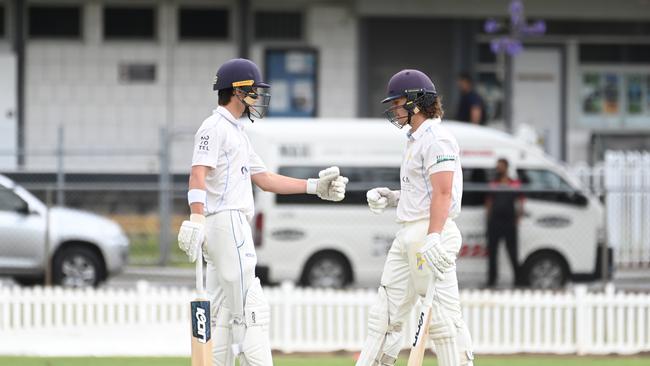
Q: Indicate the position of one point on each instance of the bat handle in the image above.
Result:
(431, 290)
(199, 271)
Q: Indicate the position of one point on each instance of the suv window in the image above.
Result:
(361, 180)
(9, 201)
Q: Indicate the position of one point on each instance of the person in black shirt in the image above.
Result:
(471, 107)
(504, 206)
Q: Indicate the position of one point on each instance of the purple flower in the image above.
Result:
(491, 26)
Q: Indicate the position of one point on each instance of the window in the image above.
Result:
(272, 25)
(609, 28)
(361, 180)
(542, 180)
(62, 22)
(2, 21)
(203, 23)
(137, 73)
(615, 53)
(137, 23)
(9, 201)
(545, 185)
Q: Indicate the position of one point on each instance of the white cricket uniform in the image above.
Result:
(222, 144)
(429, 150)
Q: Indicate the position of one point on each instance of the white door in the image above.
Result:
(8, 128)
(537, 92)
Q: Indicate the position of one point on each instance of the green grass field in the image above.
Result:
(323, 360)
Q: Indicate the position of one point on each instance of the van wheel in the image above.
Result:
(327, 270)
(545, 271)
(76, 266)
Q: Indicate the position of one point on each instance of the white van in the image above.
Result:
(318, 243)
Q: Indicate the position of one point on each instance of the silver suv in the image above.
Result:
(84, 248)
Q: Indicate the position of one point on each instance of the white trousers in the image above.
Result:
(405, 280)
(231, 259)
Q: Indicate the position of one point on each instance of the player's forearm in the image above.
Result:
(438, 211)
(197, 181)
(279, 184)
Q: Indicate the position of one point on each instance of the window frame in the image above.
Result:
(155, 37)
(229, 28)
(59, 38)
(3, 20)
(302, 17)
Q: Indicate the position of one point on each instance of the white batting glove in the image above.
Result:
(437, 260)
(191, 236)
(380, 198)
(329, 186)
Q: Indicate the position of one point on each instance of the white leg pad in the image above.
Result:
(222, 338)
(465, 344)
(384, 338)
(442, 332)
(255, 345)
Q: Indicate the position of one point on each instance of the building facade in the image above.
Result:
(113, 73)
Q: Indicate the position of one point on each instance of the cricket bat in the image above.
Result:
(200, 320)
(422, 329)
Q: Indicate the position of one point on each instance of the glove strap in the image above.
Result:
(312, 185)
(197, 218)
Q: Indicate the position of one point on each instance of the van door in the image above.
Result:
(8, 128)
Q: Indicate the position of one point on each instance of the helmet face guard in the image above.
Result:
(256, 99)
(415, 100)
(393, 116)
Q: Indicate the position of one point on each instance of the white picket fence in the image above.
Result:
(154, 321)
(624, 180)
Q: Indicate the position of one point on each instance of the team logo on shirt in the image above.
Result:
(244, 170)
(442, 158)
(204, 145)
(406, 180)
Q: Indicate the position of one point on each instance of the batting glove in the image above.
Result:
(438, 261)
(380, 198)
(329, 186)
(191, 236)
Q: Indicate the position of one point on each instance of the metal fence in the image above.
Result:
(149, 205)
(113, 322)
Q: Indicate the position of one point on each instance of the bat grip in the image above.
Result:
(199, 271)
(431, 290)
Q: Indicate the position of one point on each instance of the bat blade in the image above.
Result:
(201, 333)
(418, 347)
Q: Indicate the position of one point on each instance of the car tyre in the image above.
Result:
(77, 266)
(327, 270)
(545, 271)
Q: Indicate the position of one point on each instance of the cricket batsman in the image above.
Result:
(426, 246)
(224, 166)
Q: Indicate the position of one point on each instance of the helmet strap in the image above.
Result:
(248, 113)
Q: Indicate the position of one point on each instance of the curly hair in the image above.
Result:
(434, 110)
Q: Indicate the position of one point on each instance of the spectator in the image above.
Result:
(504, 207)
(471, 107)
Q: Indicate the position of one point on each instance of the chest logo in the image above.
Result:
(406, 180)
(244, 170)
